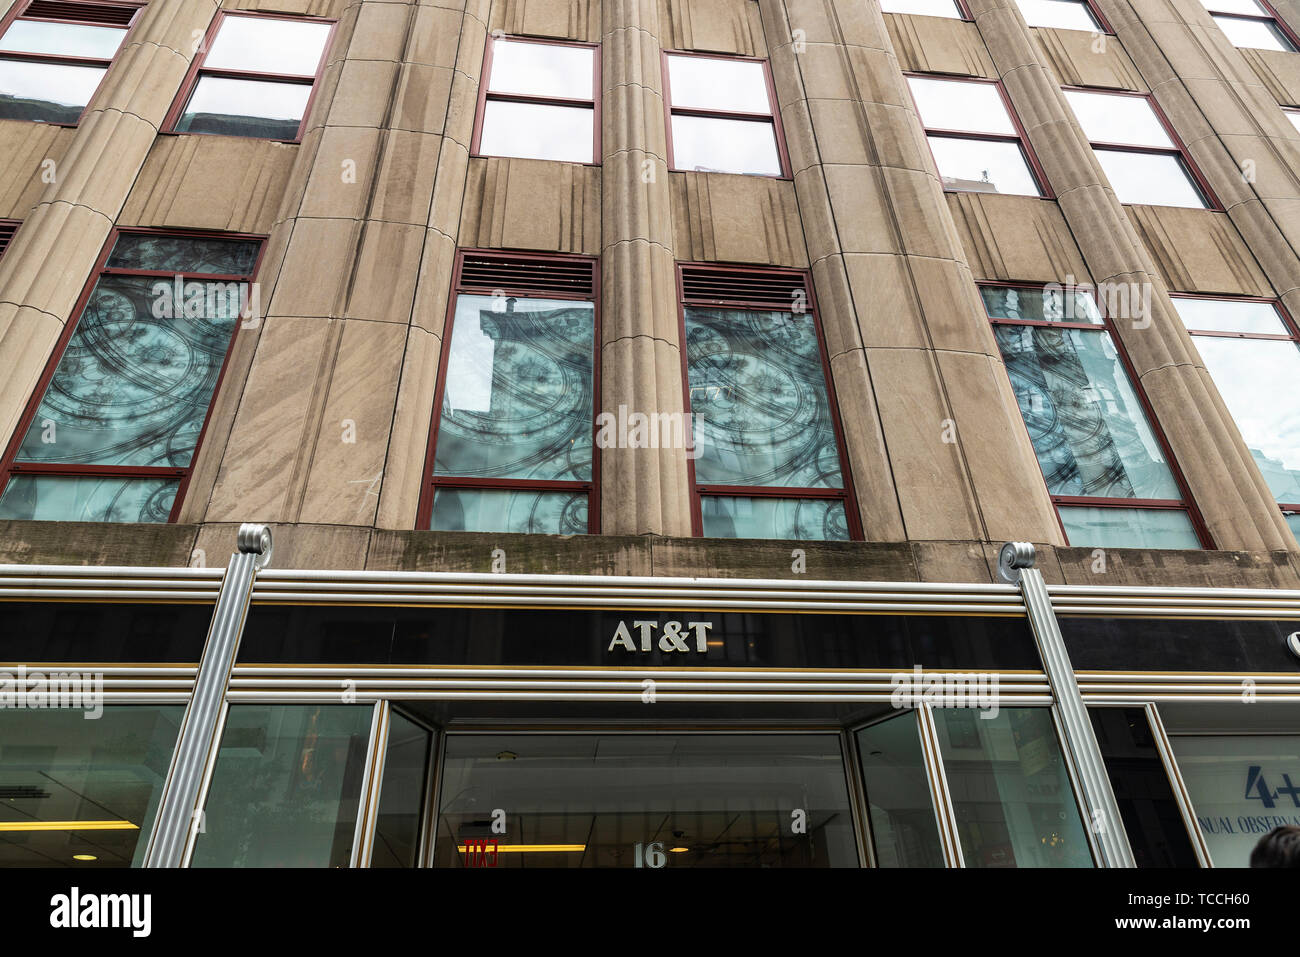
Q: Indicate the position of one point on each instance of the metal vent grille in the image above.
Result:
(103, 14)
(7, 230)
(771, 289)
(538, 276)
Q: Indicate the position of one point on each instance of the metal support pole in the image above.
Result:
(1016, 566)
(178, 812)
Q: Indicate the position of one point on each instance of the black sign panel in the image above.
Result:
(1172, 644)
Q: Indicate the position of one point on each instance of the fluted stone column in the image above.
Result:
(356, 279)
(644, 491)
(47, 266)
(1220, 472)
(935, 440)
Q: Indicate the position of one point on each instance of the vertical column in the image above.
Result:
(1224, 481)
(47, 266)
(643, 491)
(935, 438)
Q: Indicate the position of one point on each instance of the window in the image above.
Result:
(1293, 114)
(1142, 159)
(1062, 14)
(722, 116)
(766, 457)
(255, 77)
(976, 143)
(54, 54)
(512, 448)
(926, 8)
(1106, 467)
(112, 430)
(1251, 23)
(538, 101)
(1252, 352)
(7, 229)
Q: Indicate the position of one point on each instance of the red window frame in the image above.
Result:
(19, 13)
(774, 117)
(1036, 171)
(9, 468)
(484, 95)
(430, 482)
(1184, 504)
(1179, 149)
(802, 278)
(1291, 335)
(1272, 17)
(1106, 28)
(197, 70)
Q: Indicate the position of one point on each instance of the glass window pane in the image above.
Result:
(1253, 34)
(983, 166)
(1040, 305)
(134, 384)
(1088, 428)
(401, 796)
(928, 8)
(733, 86)
(707, 144)
(1010, 789)
(1062, 14)
(286, 788)
(1230, 315)
(1107, 118)
(1294, 117)
(183, 254)
(819, 519)
(628, 800)
(510, 510)
(57, 767)
(903, 823)
(1254, 376)
(759, 400)
(542, 69)
(518, 397)
(1151, 179)
(960, 105)
(1248, 7)
(62, 39)
(1242, 786)
(46, 92)
(88, 498)
(254, 108)
(1087, 525)
(266, 45)
(538, 131)
(1293, 522)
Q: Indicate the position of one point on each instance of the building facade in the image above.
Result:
(639, 396)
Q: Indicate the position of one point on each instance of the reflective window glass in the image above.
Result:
(268, 45)
(1294, 117)
(733, 516)
(709, 144)
(88, 498)
(542, 69)
(46, 92)
(255, 108)
(928, 8)
(1052, 303)
(537, 131)
(960, 105)
(1254, 34)
(903, 823)
(1249, 8)
(1122, 527)
(1062, 14)
(62, 39)
(1152, 179)
(509, 510)
(402, 794)
(1108, 118)
(1230, 315)
(709, 83)
(983, 166)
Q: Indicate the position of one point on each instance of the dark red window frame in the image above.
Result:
(9, 468)
(778, 131)
(1019, 137)
(1185, 504)
(1291, 335)
(1179, 149)
(802, 279)
(18, 13)
(1273, 18)
(197, 69)
(484, 95)
(430, 482)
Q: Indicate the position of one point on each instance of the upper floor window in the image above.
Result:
(254, 77)
(53, 55)
(1106, 467)
(925, 8)
(1252, 351)
(538, 101)
(512, 444)
(111, 432)
(1137, 150)
(1062, 14)
(1251, 23)
(1293, 114)
(767, 453)
(722, 115)
(976, 142)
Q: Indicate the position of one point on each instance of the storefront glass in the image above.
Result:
(903, 824)
(401, 798)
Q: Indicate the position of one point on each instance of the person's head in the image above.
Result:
(1280, 847)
